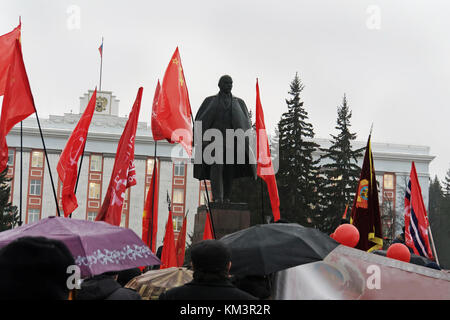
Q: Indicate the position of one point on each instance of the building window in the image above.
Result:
(150, 165)
(96, 162)
(11, 157)
(177, 223)
(388, 181)
(178, 169)
(94, 190)
(35, 187)
(178, 196)
(203, 198)
(91, 216)
(37, 159)
(33, 215)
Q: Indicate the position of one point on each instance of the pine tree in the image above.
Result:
(341, 170)
(298, 170)
(446, 184)
(9, 216)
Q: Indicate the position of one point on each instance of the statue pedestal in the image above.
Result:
(226, 218)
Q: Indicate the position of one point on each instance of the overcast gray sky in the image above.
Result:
(391, 58)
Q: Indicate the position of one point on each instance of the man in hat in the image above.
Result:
(211, 262)
(223, 112)
(34, 268)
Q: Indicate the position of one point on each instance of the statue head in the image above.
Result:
(225, 84)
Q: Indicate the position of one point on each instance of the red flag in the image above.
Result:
(7, 45)
(124, 173)
(208, 233)
(168, 254)
(68, 161)
(156, 126)
(416, 220)
(18, 102)
(150, 218)
(181, 244)
(365, 214)
(174, 110)
(264, 163)
(344, 216)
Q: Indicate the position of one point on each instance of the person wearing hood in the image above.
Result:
(105, 287)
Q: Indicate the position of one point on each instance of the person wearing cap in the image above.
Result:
(211, 263)
(34, 268)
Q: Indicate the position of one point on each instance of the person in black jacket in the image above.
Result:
(105, 287)
(211, 262)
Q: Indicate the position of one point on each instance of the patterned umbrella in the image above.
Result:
(154, 282)
(97, 247)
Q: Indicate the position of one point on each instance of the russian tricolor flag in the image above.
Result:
(416, 220)
(101, 49)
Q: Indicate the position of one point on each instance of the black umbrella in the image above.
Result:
(267, 248)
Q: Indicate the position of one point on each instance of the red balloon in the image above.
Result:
(347, 234)
(398, 251)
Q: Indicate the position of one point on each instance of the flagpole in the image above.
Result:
(48, 163)
(262, 199)
(21, 175)
(432, 244)
(101, 67)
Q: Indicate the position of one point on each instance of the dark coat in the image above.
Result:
(105, 288)
(220, 290)
(240, 120)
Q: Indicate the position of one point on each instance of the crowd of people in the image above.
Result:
(36, 268)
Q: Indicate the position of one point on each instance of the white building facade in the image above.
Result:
(392, 164)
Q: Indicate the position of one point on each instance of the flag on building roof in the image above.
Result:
(416, 220)
(100, 49)
(18, 102)
(123, 174)
(67, 166)
(7, 49)
(264, 161)
(365, 214)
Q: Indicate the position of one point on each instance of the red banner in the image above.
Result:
(67, 166)
(124, 173)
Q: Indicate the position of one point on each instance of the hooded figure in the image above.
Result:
(221, 112)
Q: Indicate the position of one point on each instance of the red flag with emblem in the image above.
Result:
(174, 110)
(7, 45)
(264, 164)
(168, 254)
(207, 232)
(67, 166)
(18, 102)
(150, 218)
(124, 173)
(181, 243)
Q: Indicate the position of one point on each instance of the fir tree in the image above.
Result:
(9, 216)
(446, 184)
(341, 170)
(298, 170)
